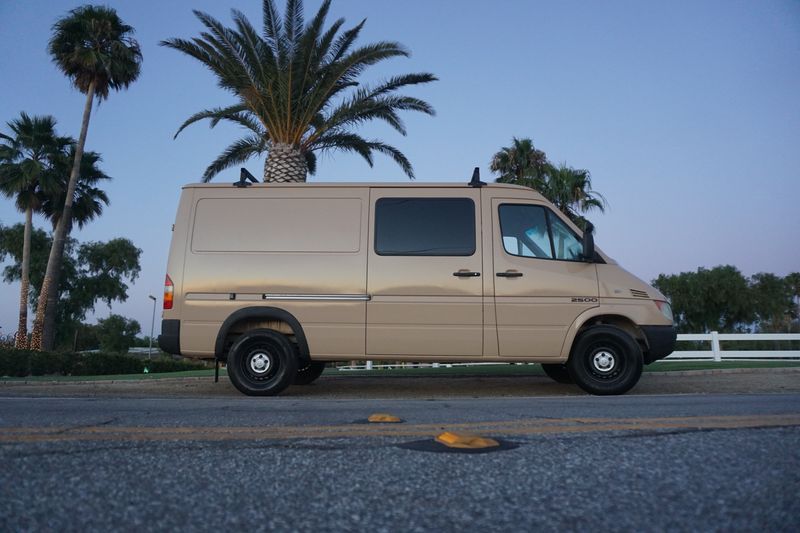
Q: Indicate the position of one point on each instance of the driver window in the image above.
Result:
(524, 230)
(535, 231)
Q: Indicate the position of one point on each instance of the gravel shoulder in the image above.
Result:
(729, 381)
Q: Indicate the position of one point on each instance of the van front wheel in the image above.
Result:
(262, 363)
(605, 360)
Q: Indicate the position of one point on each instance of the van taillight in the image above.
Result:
(169, 288)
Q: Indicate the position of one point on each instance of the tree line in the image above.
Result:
(91, 272)
(723, 299)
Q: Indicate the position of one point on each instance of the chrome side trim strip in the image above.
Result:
(320, 297)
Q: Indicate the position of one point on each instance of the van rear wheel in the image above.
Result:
(308, 371)
(605, 360)
(557, 372)
(262, 363)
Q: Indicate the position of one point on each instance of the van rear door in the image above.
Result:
(424, 272)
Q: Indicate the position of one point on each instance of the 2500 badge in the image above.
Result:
(589, 300)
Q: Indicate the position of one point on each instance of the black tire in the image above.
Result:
(262, 362)
(557, 372)
(605, 360)
(308, 371)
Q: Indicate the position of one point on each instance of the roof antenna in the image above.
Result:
(244, 177)
(476, 179)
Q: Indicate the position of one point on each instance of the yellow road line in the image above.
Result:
(532, 426)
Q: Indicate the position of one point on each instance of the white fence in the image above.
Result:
(714, 353)
(717, 354)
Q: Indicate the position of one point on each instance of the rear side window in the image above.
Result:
(425, 226)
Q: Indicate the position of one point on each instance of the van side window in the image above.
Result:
(524, 229)
(534, 231)
(425, 226)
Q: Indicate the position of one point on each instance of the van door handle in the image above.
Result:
(509, 274)
(466, 274)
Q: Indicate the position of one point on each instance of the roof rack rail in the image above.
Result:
(476, 179)
(244, 177)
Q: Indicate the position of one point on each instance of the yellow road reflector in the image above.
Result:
(383, 417)
(460, 440)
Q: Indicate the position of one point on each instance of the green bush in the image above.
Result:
(21, 363)
(43, 363)
(14, 363)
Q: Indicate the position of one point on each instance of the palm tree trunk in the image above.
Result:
(43, 335)
(285, 163)
(21, 340)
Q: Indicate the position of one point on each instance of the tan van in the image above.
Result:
(278, 279)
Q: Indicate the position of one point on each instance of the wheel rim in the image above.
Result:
(260, 363)
(604, 360)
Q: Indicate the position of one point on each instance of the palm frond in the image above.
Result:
(215, 115)
(396, 82)
(346, 142)
(355, 143)
(293, 23)
(395, 154)
(273, 29)
(238, 152)
(311, 162)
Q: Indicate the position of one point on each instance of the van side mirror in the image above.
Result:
(588, 243)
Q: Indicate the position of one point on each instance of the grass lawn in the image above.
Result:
(482, 370)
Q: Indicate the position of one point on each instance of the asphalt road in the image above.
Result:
(637, 462)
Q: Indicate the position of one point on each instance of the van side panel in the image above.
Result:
(279, 247)
(418, 306)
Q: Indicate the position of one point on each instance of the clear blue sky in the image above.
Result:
(686, 113)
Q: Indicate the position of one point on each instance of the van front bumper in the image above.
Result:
(170, 338)
(660, 341)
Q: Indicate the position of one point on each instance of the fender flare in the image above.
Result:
(577, 324)
(262, 312)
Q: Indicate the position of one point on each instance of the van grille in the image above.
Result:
(639, 294)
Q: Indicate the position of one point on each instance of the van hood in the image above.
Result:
(616, 282)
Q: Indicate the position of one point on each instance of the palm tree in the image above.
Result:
(570, 190)
(297, 91)
(95, 50)
(26, 161)
(521, 163)
(88, 200)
